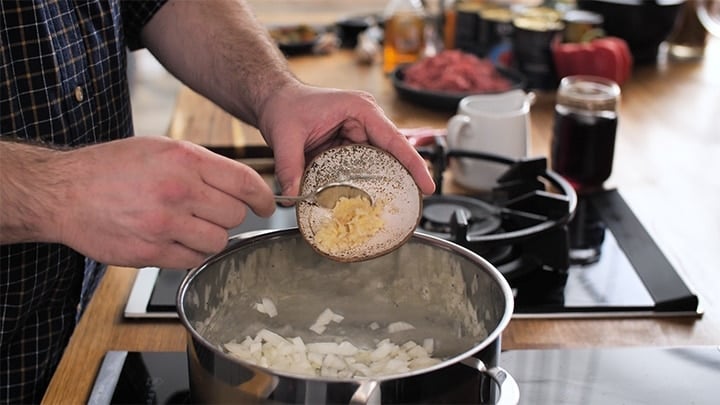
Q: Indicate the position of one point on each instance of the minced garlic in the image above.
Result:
(353, 221)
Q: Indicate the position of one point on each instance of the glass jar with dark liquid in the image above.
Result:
(583, 143)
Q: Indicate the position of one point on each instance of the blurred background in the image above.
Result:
(154, 90)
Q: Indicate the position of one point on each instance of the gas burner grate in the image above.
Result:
(520, 225)
(438, 212)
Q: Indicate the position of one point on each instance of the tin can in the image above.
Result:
(533, 35)
(495, 30)
(467, 21)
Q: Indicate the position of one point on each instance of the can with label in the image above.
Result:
(495, 30)
(467, 19)
(533, 35)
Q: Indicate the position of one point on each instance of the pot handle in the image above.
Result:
(509, 390)
(368, 393)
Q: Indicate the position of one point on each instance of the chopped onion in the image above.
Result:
(384, 349)
(331, 359)
(270, 307)
(344, 348)
(429, 345)
(298, 343)
(267, 306)
(272, 337)
(399, 327)
(319, 329)
(334, 361)
(324, 319)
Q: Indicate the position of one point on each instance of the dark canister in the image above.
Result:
(467, 21)
(495, 29)
(533, 35)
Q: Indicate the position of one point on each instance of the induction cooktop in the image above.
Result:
(631, 376)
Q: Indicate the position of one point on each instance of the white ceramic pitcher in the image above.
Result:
(490, 123)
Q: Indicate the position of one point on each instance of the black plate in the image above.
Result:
(295, 47)
(446, 101)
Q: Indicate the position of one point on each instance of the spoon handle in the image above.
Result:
(287, 198)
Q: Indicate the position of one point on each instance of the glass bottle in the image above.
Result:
(689, 37)
(403, 41)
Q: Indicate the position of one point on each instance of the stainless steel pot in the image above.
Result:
(447, 292)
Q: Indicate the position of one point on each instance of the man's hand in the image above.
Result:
(300, 121)
(220, 50)
(141, 201)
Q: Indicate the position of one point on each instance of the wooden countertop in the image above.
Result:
(667, 167)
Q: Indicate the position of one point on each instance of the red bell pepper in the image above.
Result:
(607, 57)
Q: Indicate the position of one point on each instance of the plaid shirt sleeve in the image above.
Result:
(135, 14)
(62, 82)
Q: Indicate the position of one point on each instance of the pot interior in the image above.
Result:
(447, 293)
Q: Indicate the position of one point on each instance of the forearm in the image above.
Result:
(32, 192)
(219, 49)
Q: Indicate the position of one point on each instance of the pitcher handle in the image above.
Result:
(509, 389)
(455, 129)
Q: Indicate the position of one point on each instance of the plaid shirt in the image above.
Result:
(62, 82)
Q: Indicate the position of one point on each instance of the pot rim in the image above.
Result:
(254, 237)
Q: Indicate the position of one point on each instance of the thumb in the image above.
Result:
(289, 167)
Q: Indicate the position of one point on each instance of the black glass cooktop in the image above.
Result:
(643, 375)
(616, 269)
(142, 378)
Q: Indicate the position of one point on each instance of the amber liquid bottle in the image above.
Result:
(404, 40)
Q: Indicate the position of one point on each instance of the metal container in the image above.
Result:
(449, 293)
(533, 35)
(465, 32)
(495, 32)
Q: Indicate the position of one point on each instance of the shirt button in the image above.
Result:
(79, 95)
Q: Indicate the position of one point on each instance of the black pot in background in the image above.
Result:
(349, 28)
(643, 24)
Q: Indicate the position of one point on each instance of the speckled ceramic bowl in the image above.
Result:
(387, 182)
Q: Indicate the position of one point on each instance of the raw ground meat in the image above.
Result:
(456, 71)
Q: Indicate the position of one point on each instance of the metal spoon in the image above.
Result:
(327, 195)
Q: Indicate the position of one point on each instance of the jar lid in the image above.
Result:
(542, 13)
(589, 93)
(538, 24)
(497, 14)
(470, 7)
(582, 17)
